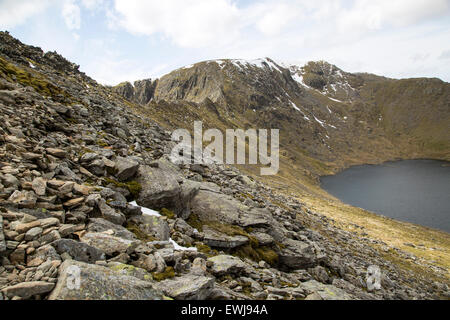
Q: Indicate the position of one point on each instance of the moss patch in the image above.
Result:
(166, 274)
(134, 228)
(133, 186)
(168, 213)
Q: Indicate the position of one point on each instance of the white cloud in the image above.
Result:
(72, 14)
(16, 12)
(188, 23)
(367, 15)
(92, 4)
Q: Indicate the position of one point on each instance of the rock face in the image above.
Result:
(142, 91)
(100, 283)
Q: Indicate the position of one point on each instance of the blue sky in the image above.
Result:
(118, 40)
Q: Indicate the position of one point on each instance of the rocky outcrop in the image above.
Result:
(141, 92)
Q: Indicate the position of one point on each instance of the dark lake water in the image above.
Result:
(416, 191)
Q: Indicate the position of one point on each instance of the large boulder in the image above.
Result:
(214, 238)
(125, 168)
(297, 255)
(102, 225)
(26, 290)
(188, 287)
(225, 264)
(153, 226)
(109, 244)
(319, 291)
(101, 283)
(78, 250)
(160, 189)
(215, 206)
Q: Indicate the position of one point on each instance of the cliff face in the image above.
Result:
(83, 172)
(141, 92)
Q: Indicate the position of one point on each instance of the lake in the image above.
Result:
(416, 191)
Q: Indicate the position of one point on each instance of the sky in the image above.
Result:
(127, 40)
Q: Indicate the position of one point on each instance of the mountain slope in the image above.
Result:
(77, 162)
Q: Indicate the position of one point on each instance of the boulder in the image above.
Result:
(101, 283)
(24, 199)
(108, 244)
(319, 291)
(125, 168)
(39, 186)
(160, 189)
(297, 255)
(102, 225)
(111, 214)
(214, 238)
(188, 287)
(26, 290)
(78, 250)
(153, 226)
(225, 264)
(214, 206)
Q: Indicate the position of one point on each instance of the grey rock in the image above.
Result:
(110, 214)
(297, 255)
(101, 283)
(109, 244)
(188, 287)
(160, 189)
(28, 289)
(319, 291)
(225, 264)
(39, 186)
(33, 233)
(214, 238)
(125, 168)
(213, 206)
(102, 225)
(153, 226)
(78, 250)
(24, 199)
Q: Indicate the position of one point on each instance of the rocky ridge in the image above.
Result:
(74, 155)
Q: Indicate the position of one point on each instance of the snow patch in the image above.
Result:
(150, 212)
